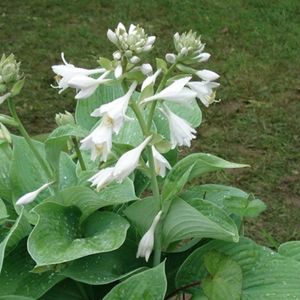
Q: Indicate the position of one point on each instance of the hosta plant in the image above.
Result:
(104, 207)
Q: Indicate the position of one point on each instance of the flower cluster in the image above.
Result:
(11, 81)
(183, 89)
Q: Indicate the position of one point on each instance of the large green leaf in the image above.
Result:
(67, 172)
(5, 162)
(147, 285)
(266, 274)
(89, 201)
(192, 114)
(26, 173)
(197, 164)
(3, 210)
(67, 240)
(225, 277)
(215, 193)
(290, 249)
(85, 107)
(16, 278)
(208, 221)
(106, 267)
(18, 231)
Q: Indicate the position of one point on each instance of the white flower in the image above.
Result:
(150, 79)
(204, 90)
(30, 197)
(176, 92)
(181, 132)
(147, 242)
(118, 71)
(207, 75)
(116, 110)
(99, 141)
(128, 162)
(102, 178)
(4, 97)
(135, 60)
(86, 85)
(160, 163)
(67, 71)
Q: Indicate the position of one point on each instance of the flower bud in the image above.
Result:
(64, 119)
(4, 134)
(171, 58)
(146, 69)
(135, 60)
(9, 69)
(117, 55)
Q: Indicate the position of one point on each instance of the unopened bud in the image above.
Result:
(4, 134)
(64, 119)
(171, 58)
(135, 60)
(146, 69)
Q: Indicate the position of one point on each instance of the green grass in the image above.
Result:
(254, 46)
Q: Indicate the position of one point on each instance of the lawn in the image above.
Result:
(255, 48)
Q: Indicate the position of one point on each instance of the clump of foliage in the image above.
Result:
(103, 208)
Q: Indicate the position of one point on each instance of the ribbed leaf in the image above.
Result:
(67, 240)
(147, 285)
(266, 274)
(17, 280)
(18, 231)
(184, 222)
(290, 249)
(106, 267)
(5, 162)
(89, 201)
(198, 164)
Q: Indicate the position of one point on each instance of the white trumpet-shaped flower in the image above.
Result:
(176, 92)
(150, 79)
(147, 242)
(204, 90)
(99, 141)
(160, 163)
(102, 178)
(128, 162)
(67, 71)
(31, 196)
(86, 85)
(181, 132)
(116, 110)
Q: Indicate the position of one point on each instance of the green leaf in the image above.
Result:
(67, 172)
(18, 231)
(138, 209)
(191, 113)
(161, 64)
(185, 222)
(244, 206)
(13, 297)
(85, 107)
(89, 201)
(212, 192)
(266, 274)
(65, 290)
(5, 162)
(105, 63)
(147, 285)
(105, 267)
(3, 211)
(67, 240)
(201, 163)
(26, 174)
(16, 278)
(290, 249)
(225, 279)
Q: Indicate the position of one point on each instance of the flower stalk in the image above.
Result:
(26, 136)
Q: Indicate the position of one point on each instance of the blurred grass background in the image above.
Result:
(255, 48)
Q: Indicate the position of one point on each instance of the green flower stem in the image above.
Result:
(78, 153)
(160, 87)
(26, 136)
